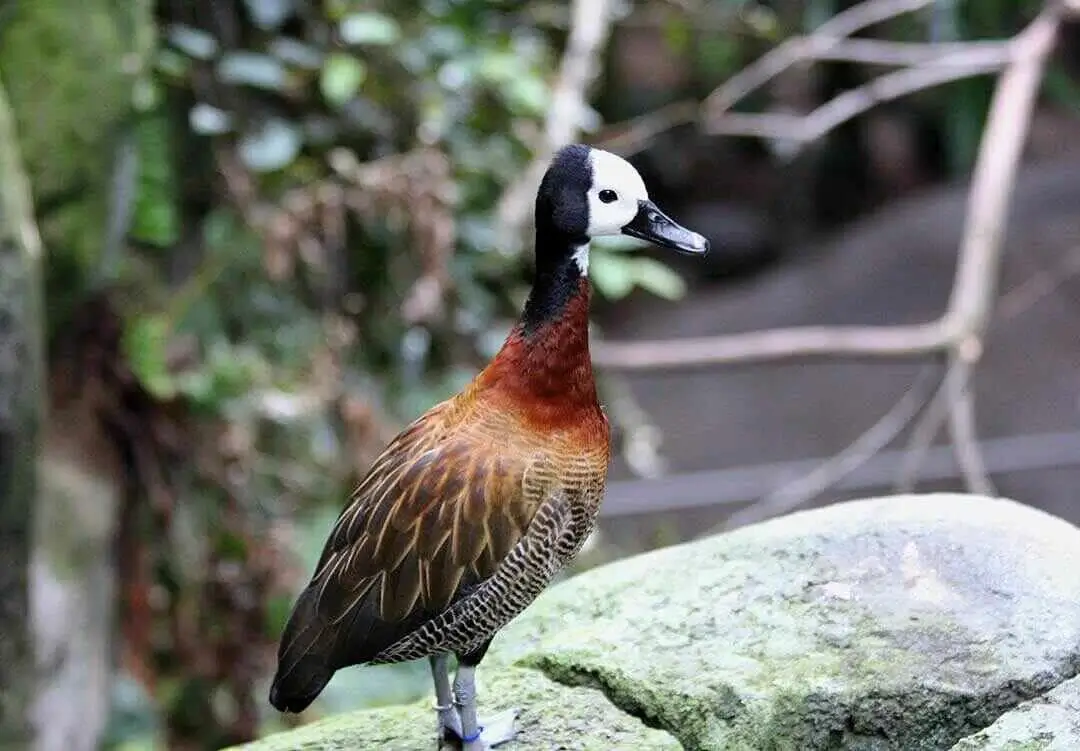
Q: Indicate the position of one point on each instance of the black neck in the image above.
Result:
(558, 277)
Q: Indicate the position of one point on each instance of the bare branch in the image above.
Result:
(793, 51)
(974, 288)
(1038, 286)
(884, 52)
(854, 102)
(631, 136)
(921, 438)
(1002, 144)
(977, 274)
(962, 429)
(960, 331)
(931, 65)
(799, 342)
(793, 494)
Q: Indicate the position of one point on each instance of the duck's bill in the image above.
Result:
(653, 225)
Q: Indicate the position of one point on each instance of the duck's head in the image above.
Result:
(589, 193)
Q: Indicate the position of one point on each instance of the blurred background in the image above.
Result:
(274, 231)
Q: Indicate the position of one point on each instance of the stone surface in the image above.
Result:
(1049, 723)
(552, 716)
(901, 623)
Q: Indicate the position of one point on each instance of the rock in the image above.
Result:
(1049, 723)
(903, 623)
(554, 717)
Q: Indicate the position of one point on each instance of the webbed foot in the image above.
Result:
(491, 733)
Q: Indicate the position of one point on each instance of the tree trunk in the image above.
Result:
(21, 399)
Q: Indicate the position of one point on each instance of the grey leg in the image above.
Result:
(444, 699)
(474, 737)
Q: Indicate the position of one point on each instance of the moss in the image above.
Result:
(552, 716)
(70, 68)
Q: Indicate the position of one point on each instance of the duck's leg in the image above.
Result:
(478, 735)
(449, 720)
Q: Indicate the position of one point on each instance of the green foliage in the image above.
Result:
(156, 216)
(341, 78)
(616, 272)
(350, 153)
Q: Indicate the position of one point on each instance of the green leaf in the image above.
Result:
(661, 280)
(156, 218)
(252, 69)
(145, 344)
(191, 41)
(677, 35)
(613, 275)
(369, 28)
(341, 77)
(271, 147)
(207, 120)
(269, 14)
(293, 52)
(527, 94)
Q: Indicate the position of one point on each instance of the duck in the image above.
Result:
(472, 510)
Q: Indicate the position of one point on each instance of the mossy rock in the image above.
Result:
(1048, 723)
(552, 716)
(894, 624)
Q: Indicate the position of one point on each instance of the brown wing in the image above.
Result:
(437, 508)
(436, 514)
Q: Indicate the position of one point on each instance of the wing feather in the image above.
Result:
(442, 506)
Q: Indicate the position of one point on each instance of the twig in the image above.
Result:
(920, 440)
(1000, 148)
(974, 287)
(960, 331)
(590, 23)
(853, 102)
(884, 52)
(828, 35)
(965, 441)
(799, 342)
(931, 65)
(631, 136)
(793, 494)
(1038, 286)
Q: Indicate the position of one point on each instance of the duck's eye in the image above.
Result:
(608, 196)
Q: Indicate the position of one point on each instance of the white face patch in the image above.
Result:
(613, 198)
(581, 258)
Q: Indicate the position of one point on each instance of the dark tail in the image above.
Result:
(304, 667)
